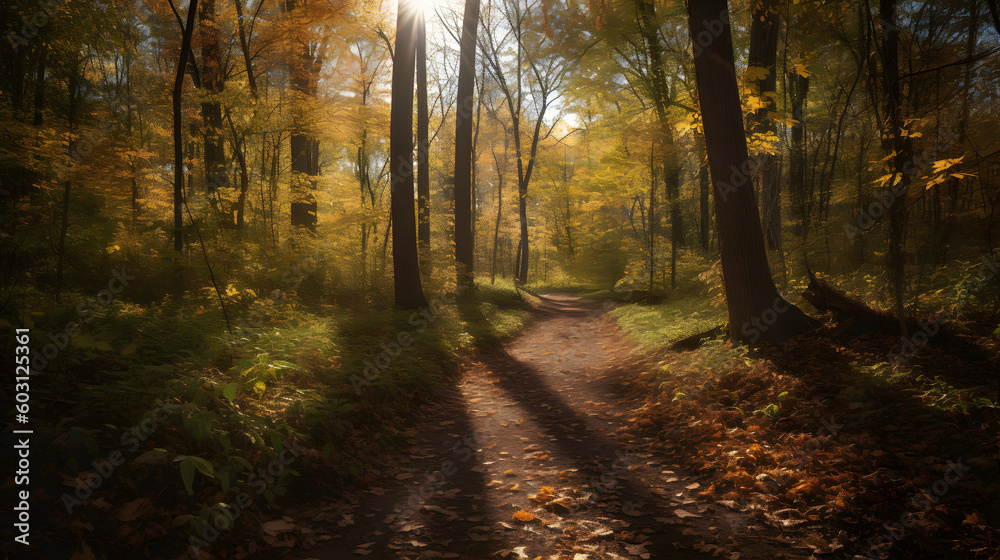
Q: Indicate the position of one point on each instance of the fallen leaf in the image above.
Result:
(525, 516)
(277, 526)
(134, 510)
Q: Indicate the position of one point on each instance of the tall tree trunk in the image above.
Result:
(239, 146)
(649, 29)
(211, 108)
(972, 40)
(501, 173)
(464, 240)
(405, 264)
(798, 89)
(901, 147)
(756, 309)
(182, 60)
(652, 216)
(304, 146)
(245, 47)
(672, 183)
(423, 171)
(704, 209)
(763, 55)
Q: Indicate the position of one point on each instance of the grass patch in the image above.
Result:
(654, 326)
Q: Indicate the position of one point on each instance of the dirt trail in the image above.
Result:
(532, 428)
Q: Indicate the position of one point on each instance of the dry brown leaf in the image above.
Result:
(276, 527)
(134, 510)
(525, 516)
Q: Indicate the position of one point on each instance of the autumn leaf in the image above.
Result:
(521, 515)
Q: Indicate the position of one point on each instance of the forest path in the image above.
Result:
(532, 431)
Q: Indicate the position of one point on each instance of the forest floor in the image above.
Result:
(528, 456)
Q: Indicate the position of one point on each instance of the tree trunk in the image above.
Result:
(245, 47)
(211, 108)
(652, 216)
(798, 89)
(304, 146)
(895, 143)
(464, 240)
(405, 264)
(423, 171)
(188, 31)
(972, 40)
(756, 309)
(649, 29)
(703, 191)
(239, 146)
(501, 173)
(763, 54)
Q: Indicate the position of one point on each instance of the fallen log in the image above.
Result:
(694, 341)
(853, 318)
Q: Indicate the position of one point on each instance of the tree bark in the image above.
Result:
(464, 240)
(423, 171)
(405, 263)
(799, 88)
(756, 310)
(704, 187)
(763, 54)
(304, 146)
(211, 109)
(501, 173)
(652, 216)
(188, 31)
(649, 29)
(896, 144)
